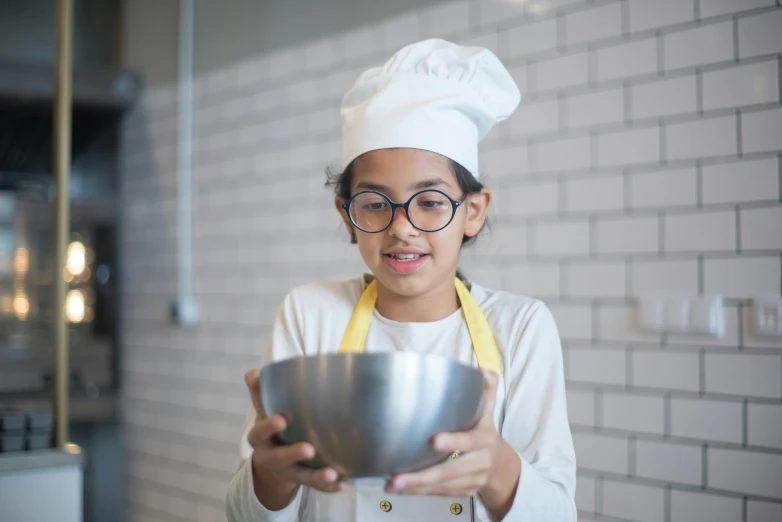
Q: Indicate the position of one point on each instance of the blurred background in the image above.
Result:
(638, 192)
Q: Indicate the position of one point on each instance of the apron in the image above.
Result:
(368, 499)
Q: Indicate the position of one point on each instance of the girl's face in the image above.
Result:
(406, 260)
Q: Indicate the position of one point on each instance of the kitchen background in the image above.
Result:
(644, 163)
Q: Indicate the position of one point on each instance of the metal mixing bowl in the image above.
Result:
(372, 414)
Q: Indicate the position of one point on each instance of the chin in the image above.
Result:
(407, 285)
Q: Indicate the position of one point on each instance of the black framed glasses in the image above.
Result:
(429, 210)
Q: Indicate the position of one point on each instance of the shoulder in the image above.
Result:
(323, 295)
(521, 323)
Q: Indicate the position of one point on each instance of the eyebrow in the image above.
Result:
(427, 183)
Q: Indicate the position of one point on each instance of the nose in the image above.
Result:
(401, 225)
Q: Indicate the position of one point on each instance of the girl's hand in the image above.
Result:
(480, 450)
(277, 471)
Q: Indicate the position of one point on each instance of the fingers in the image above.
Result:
(461, 476)
(265, 429)
(253, 380)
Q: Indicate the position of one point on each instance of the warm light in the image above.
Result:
(21, 261)
(67, 275)
(74, 306)
(76, 258)
(21, 307)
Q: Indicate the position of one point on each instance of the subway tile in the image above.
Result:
(744, 471)
(535, 118)
(401, 30)
(581, 407)
(627, 235)
(620, 323)
(628, 147)
(741, 277)
(759, 34)
(702, 138)
(626, 60)
(702, 231)
(594, 194)
(562, 72)
(742, 181)
(676, 463)
(596, 365)
(633, 413)
(761, 131)
(707, 419)
(699, 46)
(566, 154)
(601, 453)
(491, 12)
(760, 228)
(504, 162)
(533, 38)
(535, 280)
(764, 427)
(585, 493)
(665, 188)
(595, 279)
(760, 511)
(573, 321)
(633, 501)
(529, 200)
(711, 8)
(645, 15)
(741, 85)
(593, 24)
(744, 375)
(688, 506)
(666, 370)
(664, 98)
(595, 108)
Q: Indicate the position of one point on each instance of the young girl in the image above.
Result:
(411, 197)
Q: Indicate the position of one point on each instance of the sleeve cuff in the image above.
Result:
(244, 506)
(539, 499)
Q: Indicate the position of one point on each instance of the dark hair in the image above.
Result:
(341, 181)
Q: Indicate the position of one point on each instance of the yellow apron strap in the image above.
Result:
(480, 332)
(358, 327)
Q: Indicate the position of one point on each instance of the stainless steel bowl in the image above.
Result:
(372, 414)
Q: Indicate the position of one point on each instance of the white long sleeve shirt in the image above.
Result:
(531, 413)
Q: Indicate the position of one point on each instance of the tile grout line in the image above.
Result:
(705, 464)
(667, 503)
(745, 423)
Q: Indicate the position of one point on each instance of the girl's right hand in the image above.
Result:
(277, 471)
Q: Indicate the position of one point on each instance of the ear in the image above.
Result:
(477, 207)
(338, 202)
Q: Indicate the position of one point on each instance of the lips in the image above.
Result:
(405, 261)
(405, 257)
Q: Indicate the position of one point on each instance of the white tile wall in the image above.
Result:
(593, 24)
(579, 175)
(759, 34)
(687, 506)
(765, 425)
(678, 463)
(704, 45)
(746, 472)
(707, 419)
(595, 194)
(644, 15)
(633, 502)
(633, 413)
(666, 370)
(664, 98)
(751, 84)
(738, 182)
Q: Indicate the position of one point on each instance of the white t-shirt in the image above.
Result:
(531, 413)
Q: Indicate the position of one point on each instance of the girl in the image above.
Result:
(410, 195)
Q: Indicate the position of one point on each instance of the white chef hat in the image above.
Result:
(432, 95)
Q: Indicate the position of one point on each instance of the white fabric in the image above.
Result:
(531, 413)
(432, 95)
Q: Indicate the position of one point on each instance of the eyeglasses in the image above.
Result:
(429, 210)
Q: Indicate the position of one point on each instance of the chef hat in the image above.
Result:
(432, 95)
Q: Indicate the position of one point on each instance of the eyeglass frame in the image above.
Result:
(455, 204)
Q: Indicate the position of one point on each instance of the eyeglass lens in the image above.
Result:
(428, 211)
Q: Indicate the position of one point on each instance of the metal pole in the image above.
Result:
(62, 161)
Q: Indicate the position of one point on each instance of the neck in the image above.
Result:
(434, 305)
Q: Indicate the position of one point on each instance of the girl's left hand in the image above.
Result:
(479, 450)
